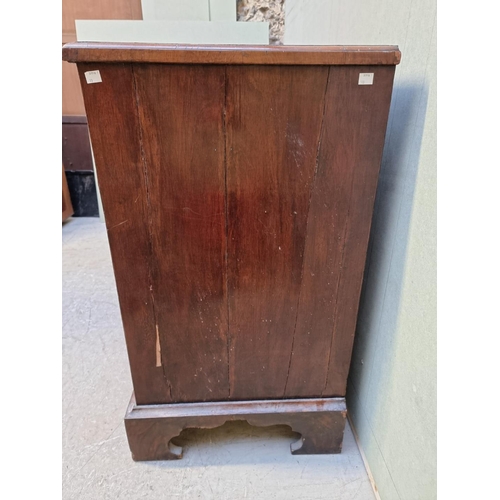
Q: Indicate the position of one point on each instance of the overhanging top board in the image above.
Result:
(337, 55)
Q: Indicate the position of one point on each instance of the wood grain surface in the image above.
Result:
(274, 118)
(238, 201)
(231, 54)
(115, 134)
(320, 423)
(349, 156)
(354, 156)
(182, 143)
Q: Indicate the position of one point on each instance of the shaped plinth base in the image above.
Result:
(320, 422)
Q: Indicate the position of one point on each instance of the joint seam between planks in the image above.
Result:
(341, 271)
(224, 129)
(311, 189)
(150, 234)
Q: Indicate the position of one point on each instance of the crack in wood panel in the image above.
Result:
(311, 190)
(159, 363)
(274, 121)
(182, 114)
(228, 333)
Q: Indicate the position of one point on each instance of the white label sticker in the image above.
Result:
(365, 79)
(93, 76)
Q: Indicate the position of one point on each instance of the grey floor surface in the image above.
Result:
(235, 461)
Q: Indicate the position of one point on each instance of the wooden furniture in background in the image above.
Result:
(76, 151)
(67, 207)
(238, 185)
(72, 101)
(78, 165)
(77, 155)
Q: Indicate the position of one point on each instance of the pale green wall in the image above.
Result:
(392, 386)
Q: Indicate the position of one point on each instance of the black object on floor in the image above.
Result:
(83, 193)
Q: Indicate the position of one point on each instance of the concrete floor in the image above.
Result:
(232, 462)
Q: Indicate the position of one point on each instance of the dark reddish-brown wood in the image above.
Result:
(231, 54)
(238, 187)
(115, 133)
(274, 117)
(362, 125)
(320, 422)
(182, 143)
(349, 156)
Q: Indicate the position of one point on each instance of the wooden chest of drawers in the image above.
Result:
(238, 186)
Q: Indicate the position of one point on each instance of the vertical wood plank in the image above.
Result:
(114, 129)
(251, 294)
(273, 124)
(181, 112)
(371, 109)
(339, 221)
